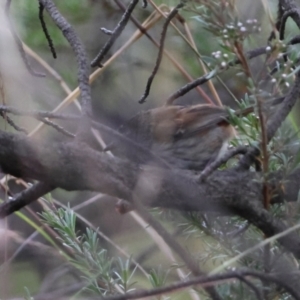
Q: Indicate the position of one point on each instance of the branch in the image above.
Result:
(74, 166)
(169, 18)
(19, 43)
(46, 32)
(24, 198)
(115, 34)
(190, 262)
(206, 280)
(191, 85)
(79, 50)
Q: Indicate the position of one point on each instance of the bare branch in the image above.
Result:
(171, 15)
(186, 257)
(19, 43)
(24, 198)
(115, 34)
(47, 35)
(76, 167)
(222, 160)
(204, 281)
(79, 50)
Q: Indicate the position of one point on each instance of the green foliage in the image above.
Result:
(25, 14)
(222, 21)
(284, 147)
(218, 239)
(158, 277)
(125, 275)
(100, 272)
(27, 294)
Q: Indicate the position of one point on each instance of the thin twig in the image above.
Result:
(19, 43)
(274, 123)
(79, 50)
(52, 72)
(238, 48)
(37, 113)
(295, 40)
(12, 123)
(291, 13)
(171, 15)
(76, 92)
(286, 15)
(166, 53)
(205, 281)
(45, 30)
(186, 257)
(24, 198)
(189, 86)
(204, 68)
(257, 291)
(2, 113)
(115, 34)
(56, 127)
(285, 108)
(220, 161)
(264, 145)
(206, 77)
(278, 22)
(141, 154)
(265, 187)
(145, 3)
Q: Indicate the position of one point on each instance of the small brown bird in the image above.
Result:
(185, 137)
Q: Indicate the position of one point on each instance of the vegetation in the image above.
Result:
(81, 221)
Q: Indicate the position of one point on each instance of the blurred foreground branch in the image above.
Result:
(75, 166)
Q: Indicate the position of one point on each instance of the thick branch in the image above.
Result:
(77, 167)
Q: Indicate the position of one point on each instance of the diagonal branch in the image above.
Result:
(115, 34)
(74, 166)
(208, 280)
(24, 198)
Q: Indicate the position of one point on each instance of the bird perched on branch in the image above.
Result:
(183, 137)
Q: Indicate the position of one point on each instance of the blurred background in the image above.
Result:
(115, 94)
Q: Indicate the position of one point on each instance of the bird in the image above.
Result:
(185, 137)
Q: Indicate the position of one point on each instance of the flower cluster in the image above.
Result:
(240, 30)
(222, 58)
